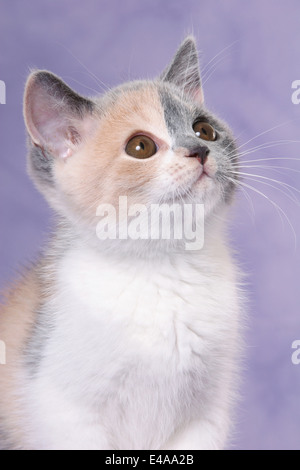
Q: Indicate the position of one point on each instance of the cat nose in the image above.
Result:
(201, 153)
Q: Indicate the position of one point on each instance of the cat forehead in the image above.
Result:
(149, 107)
(133, 108)
(179, 111)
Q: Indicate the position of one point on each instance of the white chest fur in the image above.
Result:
(135, 349)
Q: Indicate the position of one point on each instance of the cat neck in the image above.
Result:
(74, 237)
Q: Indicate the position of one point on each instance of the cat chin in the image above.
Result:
(208, 193)
(204, 186)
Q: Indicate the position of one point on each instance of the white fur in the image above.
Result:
(142, 354)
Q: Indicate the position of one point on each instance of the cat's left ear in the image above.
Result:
(184, 71)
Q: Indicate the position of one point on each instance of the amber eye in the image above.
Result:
(141, 147)
(205, 131)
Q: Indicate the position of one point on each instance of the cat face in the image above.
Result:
(151, 141)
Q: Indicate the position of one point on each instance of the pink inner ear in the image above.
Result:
(51, 124)
(47, 123)
(198, 95)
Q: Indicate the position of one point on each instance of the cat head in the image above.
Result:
(151, 141)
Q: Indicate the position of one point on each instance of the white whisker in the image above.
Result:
(262, 147)
(217, 55)
(276, 206)
(207, 75)
(271, 159)
(289, 195)
(263, 133)
(90, 73)
(82, 84)
(270, 179)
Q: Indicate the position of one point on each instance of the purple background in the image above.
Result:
(250, 88)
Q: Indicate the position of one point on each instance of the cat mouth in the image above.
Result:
(204, 181)
(204, 175)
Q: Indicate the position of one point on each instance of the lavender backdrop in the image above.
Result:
(249, 85)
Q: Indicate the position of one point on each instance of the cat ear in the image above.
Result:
(184, 70)
(57, 118)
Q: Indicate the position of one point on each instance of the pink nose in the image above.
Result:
(201, 154)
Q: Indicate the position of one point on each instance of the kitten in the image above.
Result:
(124, 343)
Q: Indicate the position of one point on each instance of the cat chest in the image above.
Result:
(163, 312)
(152, 317)
(136, 343)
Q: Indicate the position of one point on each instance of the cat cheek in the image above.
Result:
(211, 166)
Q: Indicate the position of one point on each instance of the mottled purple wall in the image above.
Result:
(250, 88)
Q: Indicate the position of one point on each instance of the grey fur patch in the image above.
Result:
(180, 114)
(33, 352)
(41, 164)
(44, 325)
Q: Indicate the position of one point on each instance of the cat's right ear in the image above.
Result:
(57, 119)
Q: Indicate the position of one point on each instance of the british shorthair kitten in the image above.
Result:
(124, 342)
